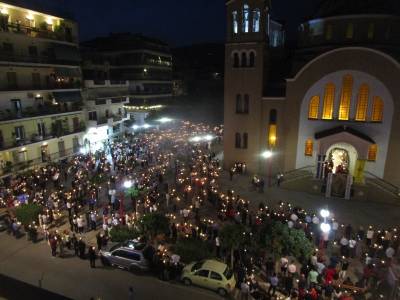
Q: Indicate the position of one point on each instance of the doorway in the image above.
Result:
(341, 158)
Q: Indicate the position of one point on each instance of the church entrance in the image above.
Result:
(339, 161)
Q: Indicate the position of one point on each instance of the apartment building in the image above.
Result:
(126, 76)
(41, 116)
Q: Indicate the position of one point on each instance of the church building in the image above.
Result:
(332, 104)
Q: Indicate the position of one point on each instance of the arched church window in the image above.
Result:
(238, 140)
(345, 99)
(235, 24)
(309, 147)
(273, 116)
(350, 31)
(313, 109)
(377, 109)
(372, 152)
(239, 104)
(244, 59)
(329, 97)
(246, 17)
(256, 20)
(371, 31)
(329, 32)
(252, 58)
(362, 103)
(245, 140)
(236, 61)
(246, 104)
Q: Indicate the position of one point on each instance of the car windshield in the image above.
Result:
(228, 273)
(197, 266)
(134, 244)
(115, 247)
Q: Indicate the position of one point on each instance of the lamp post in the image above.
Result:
(268, 156)
(325, 227)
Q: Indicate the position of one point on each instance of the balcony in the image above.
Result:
(62, 85)
(105, 83)
(34, 137)
(59, 34)
(21, 58)
(45, 110)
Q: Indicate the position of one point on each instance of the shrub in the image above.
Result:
(27, 213)
(154, 224)
(192, 250)
(120, 234)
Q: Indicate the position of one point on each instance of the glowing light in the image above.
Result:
(208, 137)
(4, 11)
(165, 120)
(267, 154)
(195, 139)
(146, 126)
(83, 151)
(325, 227)
(135, 127)
(127, 184)
(324, 213)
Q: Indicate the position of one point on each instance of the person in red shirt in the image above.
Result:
(329, 275)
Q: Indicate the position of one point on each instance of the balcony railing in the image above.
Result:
(34, 137)
(23, 165)
(43, 86)
(59, 35)
(6, 115)
(20, 58)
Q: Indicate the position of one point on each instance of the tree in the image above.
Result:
(153, 224)
(281, 240)
(122, 233)
(232, 236)
(192, 250)
(27, 213)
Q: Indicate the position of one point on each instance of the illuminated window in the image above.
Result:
(329, 97)
(362, 103)
(256, 20)
(238, 140)
(345, 99)
(246, 16)
(236, 60)
(350, 31)
(235, 24)
(245, 138)
(244, 59)
(371, 31)
(308, 150)
(272, 135)
(239, 104)
(313, 109)
(329, 31)
(372, 152)
(377, 110)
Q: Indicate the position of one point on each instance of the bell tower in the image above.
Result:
(245, 58)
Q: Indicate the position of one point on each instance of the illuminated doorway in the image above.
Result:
(341, 158)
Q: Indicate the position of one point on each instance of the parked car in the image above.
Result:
(127, 255)
(3, 222)
(210, 274)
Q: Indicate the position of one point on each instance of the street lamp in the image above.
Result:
(325, 227)
(268, 155)
(324, 213)
(128, 184)
(165, 120)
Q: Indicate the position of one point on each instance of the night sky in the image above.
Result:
(178, 22)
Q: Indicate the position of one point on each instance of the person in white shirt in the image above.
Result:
(352, 246)
(284, 264)
(344, 243)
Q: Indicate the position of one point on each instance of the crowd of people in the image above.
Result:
(163, 171)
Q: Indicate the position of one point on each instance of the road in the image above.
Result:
(72, 277)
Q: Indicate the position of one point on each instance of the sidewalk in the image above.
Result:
(357, 213)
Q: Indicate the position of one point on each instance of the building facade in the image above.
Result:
(132, 74)
(330, 106)
(41, 116)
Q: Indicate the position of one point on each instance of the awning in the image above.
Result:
(340, 129)
(73, 96)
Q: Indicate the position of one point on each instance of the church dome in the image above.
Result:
(330, 8)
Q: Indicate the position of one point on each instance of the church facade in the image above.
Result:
(330, 105)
